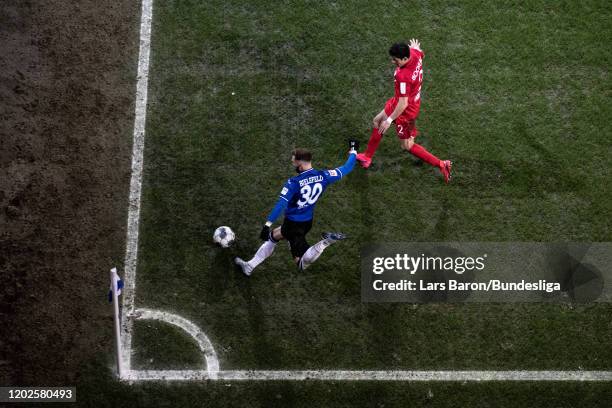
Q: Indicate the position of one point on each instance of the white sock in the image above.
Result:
(264, 251)
(314, 252)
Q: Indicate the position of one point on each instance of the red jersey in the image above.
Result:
(408, 80)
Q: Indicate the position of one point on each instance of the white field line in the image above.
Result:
(131, 252)
(350, 375)
(212, 370)
(210, 356)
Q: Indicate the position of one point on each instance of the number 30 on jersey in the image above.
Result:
(310, 194)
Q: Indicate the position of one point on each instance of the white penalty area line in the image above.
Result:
(212, 371)
(350, 375)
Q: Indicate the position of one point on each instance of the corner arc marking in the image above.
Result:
(210, 355)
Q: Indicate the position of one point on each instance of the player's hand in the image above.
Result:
(353, 145)
(384, 125)
(414, 43)
(265, 233)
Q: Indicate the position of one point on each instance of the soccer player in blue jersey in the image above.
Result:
(298, 199)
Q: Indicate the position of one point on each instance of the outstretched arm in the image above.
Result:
(281, 204)
(339, 172)
(349, 165)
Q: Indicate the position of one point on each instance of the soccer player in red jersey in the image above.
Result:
(403, 108)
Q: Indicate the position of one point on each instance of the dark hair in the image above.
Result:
(302, 154)
(399, 50)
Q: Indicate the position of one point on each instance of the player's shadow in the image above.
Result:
(441, 276)
(583, 282)
(368, 213)
(517, 177)
(395, 163)
(226, 277)
(440, 230)
(221, 267)
(266, 352)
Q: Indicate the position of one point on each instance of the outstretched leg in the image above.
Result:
(265, 250)
(314, 252)
(365, 158)
(419, 151)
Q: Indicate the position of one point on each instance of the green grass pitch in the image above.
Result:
(518, 96)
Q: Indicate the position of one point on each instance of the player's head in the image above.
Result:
(301, 159)
(400, 54)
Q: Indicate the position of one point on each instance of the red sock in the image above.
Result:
(422, 153)
(373, 143)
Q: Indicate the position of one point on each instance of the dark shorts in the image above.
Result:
(295, 232)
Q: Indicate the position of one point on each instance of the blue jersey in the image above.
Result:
(301, 193)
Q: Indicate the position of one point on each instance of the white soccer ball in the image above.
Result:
(224, 236)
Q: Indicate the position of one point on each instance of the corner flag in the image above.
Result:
(115, 278)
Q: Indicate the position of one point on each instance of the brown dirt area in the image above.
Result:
(67, 89)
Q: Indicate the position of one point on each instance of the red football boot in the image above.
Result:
(446, 167)
(364, 160)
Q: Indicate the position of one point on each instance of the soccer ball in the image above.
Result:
(224, 236)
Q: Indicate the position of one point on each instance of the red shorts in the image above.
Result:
(404, 126)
